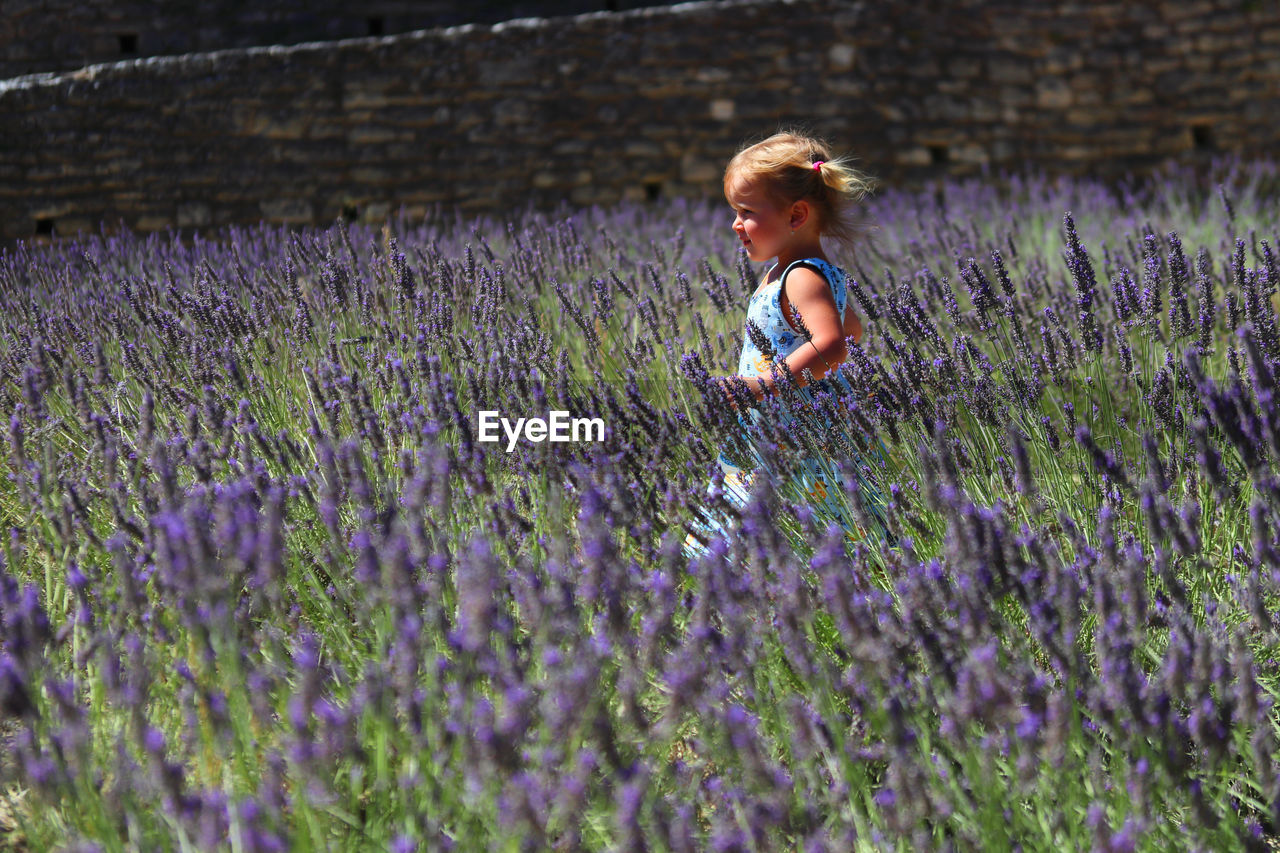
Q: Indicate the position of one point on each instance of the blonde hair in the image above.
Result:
(784, 164)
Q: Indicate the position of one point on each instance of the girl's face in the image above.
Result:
(762, 226)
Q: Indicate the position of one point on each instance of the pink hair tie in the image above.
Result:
(817, 167)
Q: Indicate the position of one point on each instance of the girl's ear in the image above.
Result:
(800, 212)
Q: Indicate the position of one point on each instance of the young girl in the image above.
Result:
(787, 193)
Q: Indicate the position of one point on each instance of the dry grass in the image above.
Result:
(12, 797)
(11, 837)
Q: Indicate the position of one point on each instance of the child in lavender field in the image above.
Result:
(787, 193)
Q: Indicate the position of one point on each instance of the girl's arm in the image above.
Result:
(810, 296)
(852, 324)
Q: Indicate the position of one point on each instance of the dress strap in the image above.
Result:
(833, 276)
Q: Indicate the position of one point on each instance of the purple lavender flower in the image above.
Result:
(1179, 282)
(1086, 287)
(1204, 291)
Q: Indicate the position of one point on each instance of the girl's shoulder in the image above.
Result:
(834, 275)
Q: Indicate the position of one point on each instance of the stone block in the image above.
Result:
(845, 86)
(640, 148)
(964, 67)
(1060, 60)
(696, 170)
(891, 112)
(841, 56)
(722, 109)
(1052, 93)
(1136, 95)
(1002, 151)
(373, 134)
(915, 155)
(898, 135)
(287, 210)
(510, 111)
(119, 165)
(194, 213)
(274, 126)
(72, 225)
(153, 222)
(51, 210)
(1200, 63)
(985, 110)
(511, 71)
(827, 108)
(969, 153)
(585, 195)
(573, 147)
(1157, 65)
(945, 107)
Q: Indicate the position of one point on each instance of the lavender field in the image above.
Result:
(264, 588)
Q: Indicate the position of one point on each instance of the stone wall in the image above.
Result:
(639, 104)
(59, 35)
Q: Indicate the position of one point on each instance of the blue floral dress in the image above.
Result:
(814, 477)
